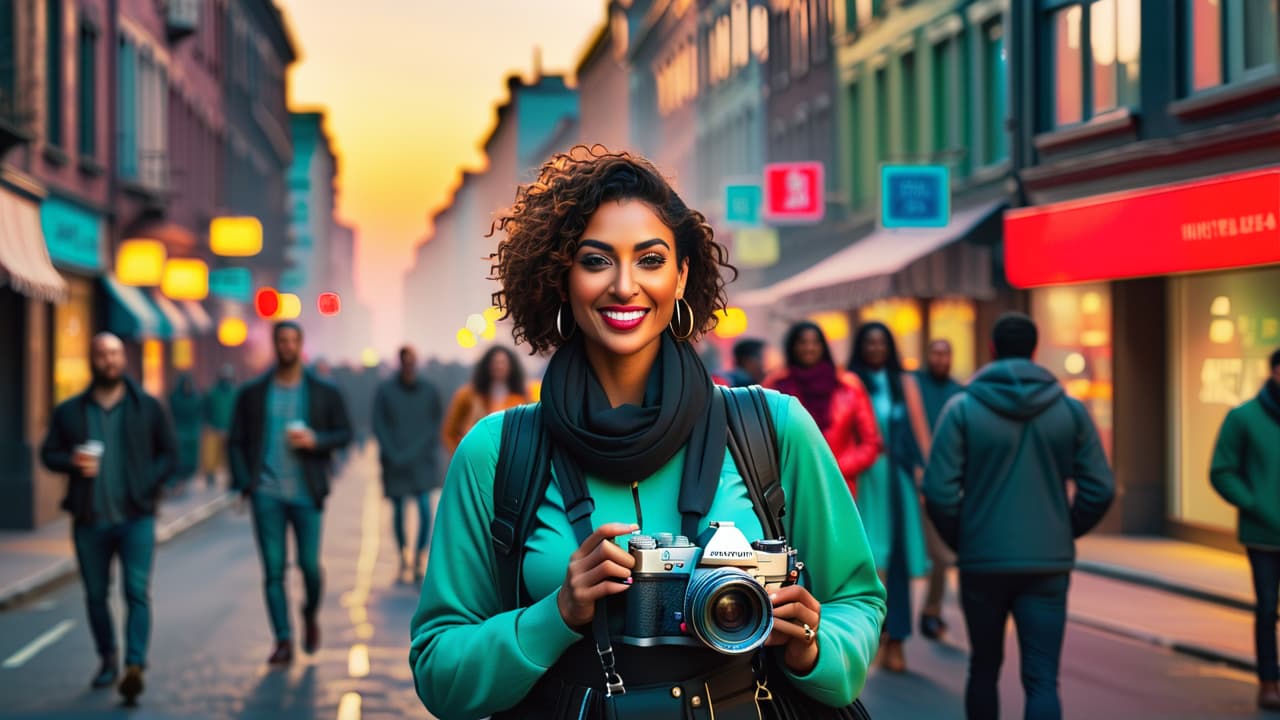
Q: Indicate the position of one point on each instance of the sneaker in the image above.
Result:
(933, 627)
(131, 686)
(107, 673)
(282, 655)
(311, 636)
(1269, 695)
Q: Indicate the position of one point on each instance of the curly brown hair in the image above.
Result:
(546, 223)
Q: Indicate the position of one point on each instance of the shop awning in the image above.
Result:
(24, 258)
(201, 323)
(922, 263)
(132, 315)
(181, 327)
(176, 238)
(1216, 223)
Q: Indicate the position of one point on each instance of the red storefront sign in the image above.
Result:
(1228, 221)
(793, 192)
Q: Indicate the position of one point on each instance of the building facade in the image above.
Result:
(1148, 144)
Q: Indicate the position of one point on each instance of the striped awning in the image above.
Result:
(131, 315)
(201, 323)
(24, 257)
(177, 320)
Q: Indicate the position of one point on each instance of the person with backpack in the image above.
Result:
(996, 489)
(528, 588)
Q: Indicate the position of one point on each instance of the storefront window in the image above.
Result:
(153, 367)
(72, 334)
(1075, 345)
(1068, 75)
(1206, 40)
(952, 320)
(184, 354)
(1227, 326)
(903, 317)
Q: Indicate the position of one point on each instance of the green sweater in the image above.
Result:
(471, 659)
(1246, 472)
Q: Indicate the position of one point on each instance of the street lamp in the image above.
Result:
(235, 236)
(140, 262)
(185, 279)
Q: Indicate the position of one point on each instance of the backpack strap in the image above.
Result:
(753, 443)
(520, 479)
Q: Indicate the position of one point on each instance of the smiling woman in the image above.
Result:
(604, 264)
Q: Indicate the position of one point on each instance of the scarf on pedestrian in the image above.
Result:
(629, 443)
(813, 386)
(1269, 398)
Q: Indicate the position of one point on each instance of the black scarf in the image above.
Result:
(628, 443)
(1270, 399)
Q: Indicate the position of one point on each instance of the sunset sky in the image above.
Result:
(410, 88)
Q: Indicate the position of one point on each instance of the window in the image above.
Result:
(865, 11)
(88, 84)
(740, 43)
(780, 49)
(1231, 40)
(1097, 46)
(882, 115)
(856, 147)
(53, 73)
(820, 19)
(943, 94)
(760, 32)
(910, 115)
(995, 146)
(127, 110)
(799, 39)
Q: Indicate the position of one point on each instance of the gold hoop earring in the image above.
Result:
(560, 325)
(676, 316)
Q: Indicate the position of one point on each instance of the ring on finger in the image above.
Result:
(808, 632)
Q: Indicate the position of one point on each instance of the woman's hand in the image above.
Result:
(597, 569)
(794, 610)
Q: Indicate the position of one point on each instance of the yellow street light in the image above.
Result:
(235, 236)
(185, 279)
(290, 307)
(232, 332)
(733, 322)
(140, 262)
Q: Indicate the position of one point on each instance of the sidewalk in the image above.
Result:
(34, 560)
(1188, 598)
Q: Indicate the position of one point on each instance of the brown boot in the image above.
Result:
(282, 655)
(311, 633)
(131, 686)
(1269, 695)
(893, 658)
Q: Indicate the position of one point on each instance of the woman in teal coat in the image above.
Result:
(603, 264)
(887, 493)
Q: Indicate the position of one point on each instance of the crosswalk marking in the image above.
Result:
(51, 636)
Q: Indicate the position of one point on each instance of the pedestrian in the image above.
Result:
(116, 446)
(836, 399)
(186, 408)
(996, 488)
(887, 493)
(748, 363)
(219, 402)
(284, 428)
(497, 383)
(936, 388)
(1246, 473)
(407, 412)
(633, 421)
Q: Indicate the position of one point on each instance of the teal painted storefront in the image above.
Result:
(73, 234)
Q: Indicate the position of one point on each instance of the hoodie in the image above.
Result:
(995, 486)
(1246, 467)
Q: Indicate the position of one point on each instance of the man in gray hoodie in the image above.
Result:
(996, 489)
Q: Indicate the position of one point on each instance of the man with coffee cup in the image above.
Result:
(117, 447)
(284, 428)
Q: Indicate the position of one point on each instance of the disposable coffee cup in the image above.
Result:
(92, 448)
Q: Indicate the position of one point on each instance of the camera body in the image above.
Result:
(714, 593)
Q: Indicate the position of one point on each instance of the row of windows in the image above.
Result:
(1096, 51)
(800, 34)
(677, 77)
(734, 38)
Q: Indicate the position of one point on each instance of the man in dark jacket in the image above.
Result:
(117, 448)
(936, 388)
(996, 489)
(1246, 473)
(407, 413)
(284, 427)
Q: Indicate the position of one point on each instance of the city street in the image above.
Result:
(211, 639)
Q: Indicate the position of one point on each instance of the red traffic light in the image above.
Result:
(267, 303)
(328, 303)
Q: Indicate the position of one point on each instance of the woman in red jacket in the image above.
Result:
(835, 398)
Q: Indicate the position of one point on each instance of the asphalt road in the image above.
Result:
(211, 639)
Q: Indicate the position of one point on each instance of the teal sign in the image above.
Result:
(73, 234)
(915, 196)
(742, 204)
(231, 284)
(292, 280)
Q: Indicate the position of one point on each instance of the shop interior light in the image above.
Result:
(267, 303)
(235, 236)
(290, 307)
(834, 324)
(232, 332)
(733, 322)
(140, 262)
(185, 279)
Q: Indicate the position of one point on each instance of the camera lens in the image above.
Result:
(728, 611)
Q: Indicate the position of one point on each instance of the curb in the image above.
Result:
(1200, 652)
(66, 567)
(1156, 582)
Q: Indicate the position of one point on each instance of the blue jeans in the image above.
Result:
(424, 520)
(135, 542)
(271, 517)
(1266, 584)
(1038, 602)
